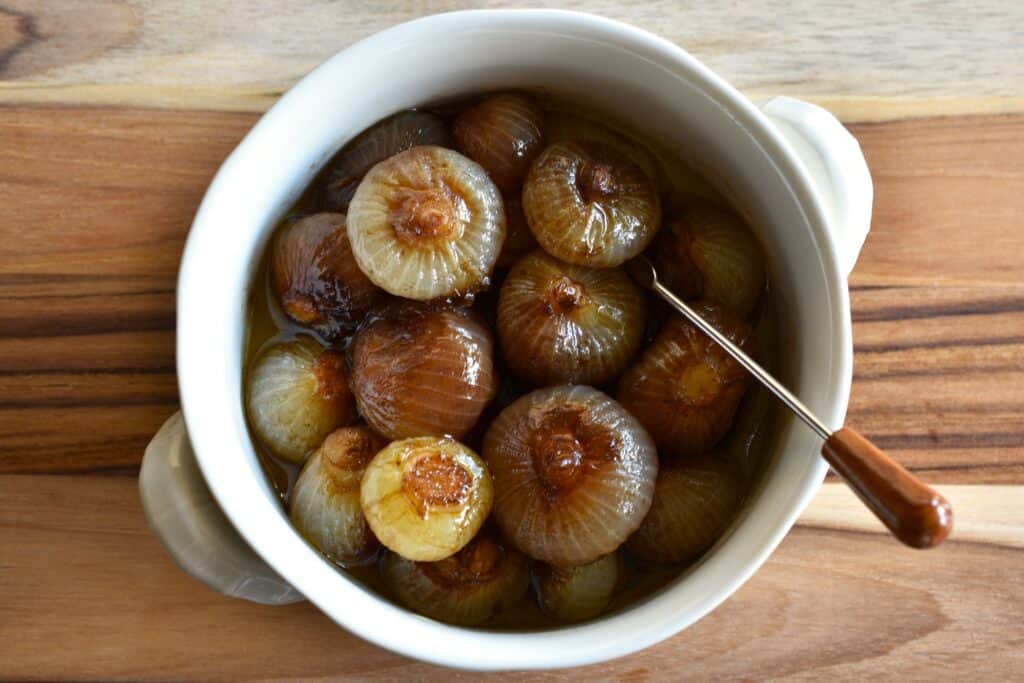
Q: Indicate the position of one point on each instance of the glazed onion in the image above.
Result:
(296, 394)
(707, 252)
(685, 388)
(315, 277)
(578, 593)
(324, 504)
(565, 324)
(694, 502)
(423, 371)
(503, 134)
(573, 474)
(388, 137)
(426, 497)
(427, 223)
(468, 588)
(589, 205)
(563, 126)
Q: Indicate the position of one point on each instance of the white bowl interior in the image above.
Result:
(612, 68)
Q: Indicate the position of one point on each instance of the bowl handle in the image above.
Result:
(834, 160)
(195, 532)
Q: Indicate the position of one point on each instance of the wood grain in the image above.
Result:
(88, 594)
(866, 60)
(95, 205)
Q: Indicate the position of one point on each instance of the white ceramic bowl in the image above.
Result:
(792, 167)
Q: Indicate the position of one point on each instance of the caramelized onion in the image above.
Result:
(324, 503)
(573, 474)
(296, 394)
(685, 388)
(394, 134)
(423, 371)
(578, 593)
(315, 276)
(694, 502)
(707, 252)
(589, 205)
(503, 134)
(565, 324)
(468, 588)
(427, 223)
(426, 497)
(563, 126)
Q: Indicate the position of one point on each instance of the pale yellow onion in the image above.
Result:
(427, 223)
(426, 497)
(423, 371)
(296, 394)
(484, 578)
(589, 205)
(565, 324)
(684, 388)
(503, 133)
(573, 474)
(707, 252)
(694, 502)
(578, 593)
(315, 277)
(324, 503)
(394, 134)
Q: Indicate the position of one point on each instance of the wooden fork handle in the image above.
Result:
(914, 512)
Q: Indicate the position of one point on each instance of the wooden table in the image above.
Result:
(113, 117)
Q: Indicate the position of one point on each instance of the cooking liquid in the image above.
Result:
(747, 443)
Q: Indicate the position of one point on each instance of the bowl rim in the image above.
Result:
(376, 619)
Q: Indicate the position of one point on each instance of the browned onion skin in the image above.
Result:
(708, 252)
(423, 371)
(468, 588)
(587, 204)
(315, 276)
(573, 474)
(565, 324)
(386, 138)
(519, 241)
(694, 502)
(685, 389)
(504, 134)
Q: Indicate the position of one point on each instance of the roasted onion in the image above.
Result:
(573, 474)
(707, 252)
(694, 501)
(426, 497)
(503, 134)
(296, 394)
(315, 277)
(561, 126)
(578, 593)
(484, 578)
(389, 137)
(427, 223)
(565, 324)
(589, 205)
(685, 388)
(324, 503)
(423, 371)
